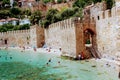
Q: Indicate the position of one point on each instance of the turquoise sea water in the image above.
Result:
(28, 65)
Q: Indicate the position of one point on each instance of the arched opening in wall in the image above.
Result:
(88, 40)
(90, 43)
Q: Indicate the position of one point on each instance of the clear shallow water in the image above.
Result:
(17, 65)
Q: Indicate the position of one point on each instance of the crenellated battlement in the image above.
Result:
(31, 37)
(107, 23)
(106, 14)
(70, 23)
(15, 38)
(63, 24)
(111, 13)
(15, 32)
(97, 8)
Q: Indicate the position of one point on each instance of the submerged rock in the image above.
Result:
(93, 65)
(20, 76)
(86, 60)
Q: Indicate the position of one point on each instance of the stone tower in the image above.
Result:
(36, 36)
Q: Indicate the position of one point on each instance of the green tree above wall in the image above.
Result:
(46, 1)
(95, 1)
(26, 12)
(83, 3)
(67, 13)
(36, 17)
(15, 11)
(51, 17)
(10, 27)
(59, 1)
(110, 3)
(79, 3)
(4, 14)
(4, 2)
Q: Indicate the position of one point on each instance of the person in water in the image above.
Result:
(58, 62)
(79, 56)
(49, 60)
(10, 57)
(47, 64)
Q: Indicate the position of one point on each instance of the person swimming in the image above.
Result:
(10, 57)
(58, 62)
(49, 60)
(47, 64)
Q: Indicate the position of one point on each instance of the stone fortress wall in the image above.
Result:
(34, 37)
(108, 30)
(69, 35)
(15, 38)
(96, 8)
(105, 29)
(62, 35)
(85, 30)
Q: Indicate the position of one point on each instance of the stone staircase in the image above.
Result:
(94, 52)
